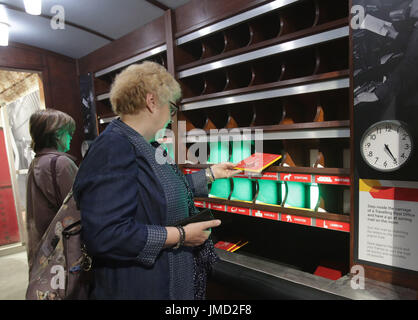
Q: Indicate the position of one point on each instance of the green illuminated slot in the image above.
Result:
(269, 192)
(296, 195)
(219, 152)
(301, 195)
(243, 190)
(241, 150)
(220, 189)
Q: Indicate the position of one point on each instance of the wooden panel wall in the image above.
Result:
(59, 77)
(149, 36)
(192, 16)
(197, 14)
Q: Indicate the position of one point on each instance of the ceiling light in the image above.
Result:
(33, 7)
(3, 14)
(4, 34)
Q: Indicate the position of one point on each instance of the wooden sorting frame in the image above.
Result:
(281, 66)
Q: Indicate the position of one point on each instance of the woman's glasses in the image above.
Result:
(173, 108)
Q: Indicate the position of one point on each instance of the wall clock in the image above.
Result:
(386, 145)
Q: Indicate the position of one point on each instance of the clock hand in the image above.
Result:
(390, 153)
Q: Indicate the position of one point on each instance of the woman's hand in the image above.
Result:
(197, 233)
(224, 170)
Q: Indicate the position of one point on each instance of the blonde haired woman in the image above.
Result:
(128, 200)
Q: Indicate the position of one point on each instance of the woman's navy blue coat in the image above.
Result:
(123, 211)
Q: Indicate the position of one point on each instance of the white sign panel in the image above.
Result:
(388, 223)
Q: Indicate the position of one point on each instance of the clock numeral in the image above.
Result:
(377, 158)
(388, 128)
(370, 154)
(378, 130)
(395, 162)
(406, 147)
(403, 155)
(385, 164)
(373, 137)
(404, 136)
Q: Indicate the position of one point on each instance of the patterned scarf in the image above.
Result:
(204, 255)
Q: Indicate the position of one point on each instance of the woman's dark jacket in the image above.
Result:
(126, 198)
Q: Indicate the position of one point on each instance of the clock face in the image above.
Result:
(386, 146)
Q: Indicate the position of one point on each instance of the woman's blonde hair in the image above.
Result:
(128, 93)
(45, 127)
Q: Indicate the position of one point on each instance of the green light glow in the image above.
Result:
(269, 192)
(296, 194)
(241, 150)
(219, 152)
(301, 195)
(243, 190)
(220, 189)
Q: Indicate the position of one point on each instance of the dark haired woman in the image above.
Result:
(51, 174)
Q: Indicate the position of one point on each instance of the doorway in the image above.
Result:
(21, 94)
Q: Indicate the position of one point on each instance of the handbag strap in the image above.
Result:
(53, 167)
